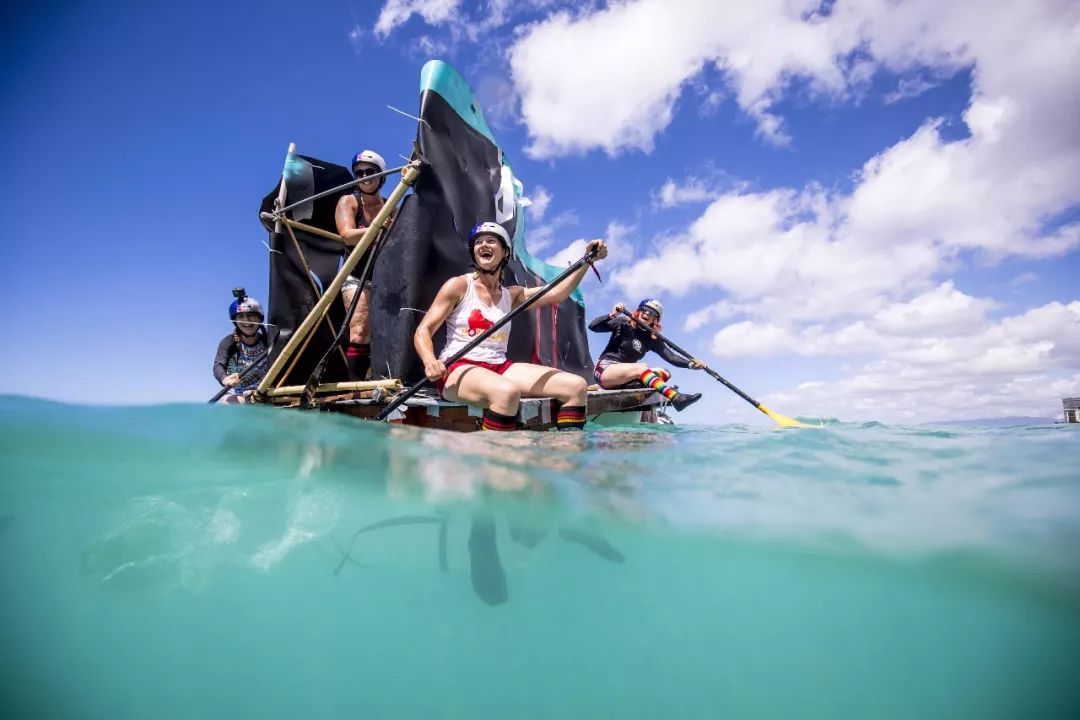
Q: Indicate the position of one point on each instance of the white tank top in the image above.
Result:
(472, 317)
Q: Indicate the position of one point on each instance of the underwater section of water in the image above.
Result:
(209, 562)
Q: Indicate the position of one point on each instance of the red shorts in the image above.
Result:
(499, 368)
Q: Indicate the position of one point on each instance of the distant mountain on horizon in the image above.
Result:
(1000, 421)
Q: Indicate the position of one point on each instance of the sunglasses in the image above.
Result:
(365, 172)
(650, 314)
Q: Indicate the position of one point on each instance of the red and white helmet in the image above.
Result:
(370, 157)
(490, 228)
(245, 305)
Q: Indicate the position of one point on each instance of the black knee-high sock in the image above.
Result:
(359, 359)
(497, 421)
(571, 417)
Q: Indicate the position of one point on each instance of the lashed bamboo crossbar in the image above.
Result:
(301, 226)
(313, 230)
(357, 386)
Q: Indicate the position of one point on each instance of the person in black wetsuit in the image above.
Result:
(353, 215)
(620, 363)
(245, 346)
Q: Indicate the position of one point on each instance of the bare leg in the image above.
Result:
(542, 381)
(618, 374)
(482, 388)
(359, 352)
(359, 327)
(569, 389)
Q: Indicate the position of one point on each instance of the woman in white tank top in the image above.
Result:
(472, 317)
(472, 303)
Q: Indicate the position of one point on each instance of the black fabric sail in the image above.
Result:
(464, 180)
(294, 288)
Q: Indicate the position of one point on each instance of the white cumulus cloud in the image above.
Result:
(621, 97)
(538, 202)
(617, 239)
(961, 366)
(398, 12)
(693, 190)
(710, 313)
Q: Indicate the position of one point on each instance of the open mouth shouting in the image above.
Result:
(487, 251)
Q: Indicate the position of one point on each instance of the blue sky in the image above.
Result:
(870, 211)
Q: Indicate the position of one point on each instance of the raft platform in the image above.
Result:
(603, 407)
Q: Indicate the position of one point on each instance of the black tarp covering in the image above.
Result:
(461, 174)
(461, 181)
(293, 292)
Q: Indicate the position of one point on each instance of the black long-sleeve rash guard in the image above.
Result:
(629, 342)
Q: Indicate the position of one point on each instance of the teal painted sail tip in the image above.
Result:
(440, 77)
(294, 166)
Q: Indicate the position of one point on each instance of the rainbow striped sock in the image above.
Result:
(571, 417)
(652, 380)
(664, 374)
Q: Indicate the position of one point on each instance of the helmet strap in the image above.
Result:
(496, 271)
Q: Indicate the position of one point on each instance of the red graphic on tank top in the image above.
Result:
(478, 323)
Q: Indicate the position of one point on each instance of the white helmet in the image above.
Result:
(368, 156)
(491, 228)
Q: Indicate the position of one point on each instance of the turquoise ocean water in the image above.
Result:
(211, 562)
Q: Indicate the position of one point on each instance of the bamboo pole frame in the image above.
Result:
(329, 325)
(301, 226)
(307, 271)
(355, 386)
(313, 230)
(279, 219)
(331, 293)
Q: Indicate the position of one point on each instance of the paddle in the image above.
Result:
(412, 390)
(781, 420)
(221, 393)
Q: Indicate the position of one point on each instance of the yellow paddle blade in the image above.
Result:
(783, 420)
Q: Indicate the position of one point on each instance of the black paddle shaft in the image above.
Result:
(415, 387)
(688, 356)
(221, 393)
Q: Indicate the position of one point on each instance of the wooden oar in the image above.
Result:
(412, 390)
(781, 420)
